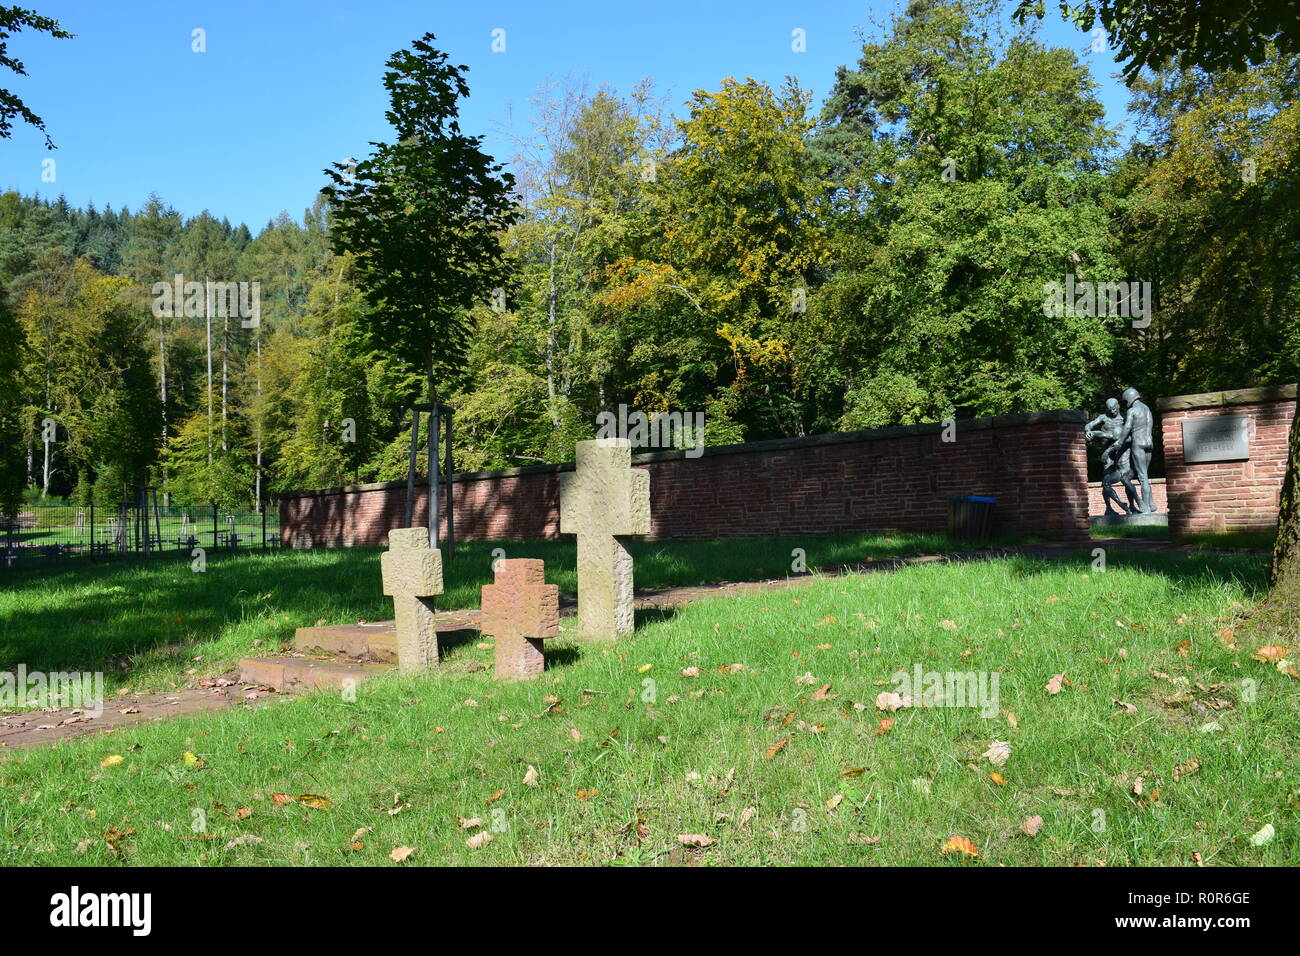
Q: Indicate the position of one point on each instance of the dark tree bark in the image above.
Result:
(1284, 576)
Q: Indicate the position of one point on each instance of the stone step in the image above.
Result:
(363, 642)
(289, 675)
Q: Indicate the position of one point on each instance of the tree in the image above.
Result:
(11, 409)
(424, 217)
(1210, 34)
(967, 177)
(1213, 36)
(13, 20)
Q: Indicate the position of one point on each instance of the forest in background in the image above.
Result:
(785, 270)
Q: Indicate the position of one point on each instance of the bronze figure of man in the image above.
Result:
(1136, 439)
(1109, 426)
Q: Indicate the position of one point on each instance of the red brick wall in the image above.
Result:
(1096, 506)
(885, 479)
(1227, 495)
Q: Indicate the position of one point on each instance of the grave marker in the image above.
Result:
(412, 576)
(520, 610)
(603, 500)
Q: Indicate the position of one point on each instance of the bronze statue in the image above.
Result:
(1110, 426)
(1137, 440)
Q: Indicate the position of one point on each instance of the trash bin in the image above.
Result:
(970, 517)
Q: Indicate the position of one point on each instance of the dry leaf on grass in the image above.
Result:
(776, 748)
(1054, 685)
(959, 844)
(694, 839)
(998, 752)
(479, 840)
(1031, 826)
(530, 776)
(401, 853)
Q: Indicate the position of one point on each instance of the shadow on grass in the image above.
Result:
(95, 615)
(1185, 568)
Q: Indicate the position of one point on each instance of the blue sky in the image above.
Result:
(285, 88)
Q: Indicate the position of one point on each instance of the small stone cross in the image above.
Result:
(603, 499)
(520, 610)
(412, 575)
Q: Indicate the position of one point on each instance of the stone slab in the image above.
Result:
(289, 675)
(374, 642)
(1216, 438)
(1129, 521)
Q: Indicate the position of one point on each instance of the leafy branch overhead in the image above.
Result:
(14, 20)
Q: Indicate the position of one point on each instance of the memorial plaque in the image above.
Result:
(1216, 438)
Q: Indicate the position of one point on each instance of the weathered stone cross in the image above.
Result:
(603, 499)
(412, 574)
(520, 610)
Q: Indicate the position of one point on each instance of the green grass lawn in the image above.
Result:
(627, 753)
(58, 526)
(147, 624)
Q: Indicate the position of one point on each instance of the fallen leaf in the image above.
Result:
(1054, 685)
(316, 801)
(401, 853)
(834, 801)
(479, 840)
(998, 752)
(890, 701)
(1264, 835)
(694, 839)
(948, 625)
(1186, 769)
(997, 778)
(1031, 826)
(690, 672)
(886, 724)
(112, 761)
(530, 776)
(959, 844)
(776, 748)
(280, 799)
(1270, 652)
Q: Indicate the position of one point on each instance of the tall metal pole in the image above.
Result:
(410, 468)
(451, 528)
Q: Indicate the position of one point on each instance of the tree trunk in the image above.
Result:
(550, 338)
(225, 357)
(1284, 575)
(260, 412)
(209, 388)
(162, 375)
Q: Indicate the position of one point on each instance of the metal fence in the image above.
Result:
(58, 530)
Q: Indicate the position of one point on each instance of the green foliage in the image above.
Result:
(423, 216)
(1214, 36)
(14, 20)
(11, 411)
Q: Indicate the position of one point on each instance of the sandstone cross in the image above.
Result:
(520, 610)
(412, 574)
(603, 499)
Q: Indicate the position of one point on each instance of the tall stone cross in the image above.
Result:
(520, 610)
(603, 500)
(412, 574)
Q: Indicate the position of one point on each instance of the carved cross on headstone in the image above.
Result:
(601, 501)
(520, 610)
(412, 575)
